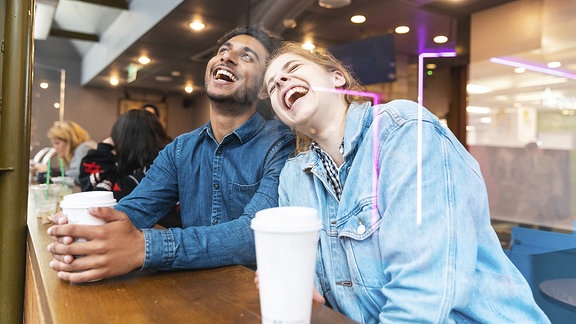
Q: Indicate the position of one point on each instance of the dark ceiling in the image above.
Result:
(179, 55)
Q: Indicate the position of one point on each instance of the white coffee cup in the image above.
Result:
(286, 244)
(75, 206)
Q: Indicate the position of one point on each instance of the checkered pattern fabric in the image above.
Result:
(330, 167)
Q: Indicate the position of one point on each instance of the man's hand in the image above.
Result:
(112, 249)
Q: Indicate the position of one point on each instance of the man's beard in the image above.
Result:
(244, 97)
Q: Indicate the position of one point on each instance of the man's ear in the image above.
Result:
(338, 78)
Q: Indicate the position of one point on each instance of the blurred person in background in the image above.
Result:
(72, 143)
(121, 161)
(152, 109)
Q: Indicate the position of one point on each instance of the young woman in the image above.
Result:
(121, 161)
(71, 142)
(379, 259)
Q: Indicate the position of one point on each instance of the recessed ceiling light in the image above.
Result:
(197, 25)
(519, 70)
(358, 19)
(431, 66)
(440, 39)
(188, 89)
(402, 29)
(44, 85)
(553, 65)
(57, 105)
(114, 81)
(308, 45)
(144, 59)
(175, 73)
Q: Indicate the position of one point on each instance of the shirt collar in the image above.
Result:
(245, 132)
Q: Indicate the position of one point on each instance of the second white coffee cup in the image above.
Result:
(286, 244)
(75, 206)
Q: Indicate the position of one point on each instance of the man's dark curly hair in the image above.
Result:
(270, 41)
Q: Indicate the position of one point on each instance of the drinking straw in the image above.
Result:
(48, 173)
(62, 169)
(47, 178)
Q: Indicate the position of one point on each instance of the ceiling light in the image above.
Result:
(56, 105)
(331, 4)
(175, 73)
(486, 120)
(533, 67)
(197, 25)
(289, 23)
(144, 59)
(402, 29)
(478, 110)
(358, 19)
(308, 45)
(477, 89)
(188, 89)
(519, 70)
(44, 85)
(553, 65)
(431, 66)
(440, 39)
(114, 81)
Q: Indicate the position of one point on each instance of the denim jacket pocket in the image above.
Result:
(239, 195)
(361, 221)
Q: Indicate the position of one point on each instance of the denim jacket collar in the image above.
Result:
(245, 132)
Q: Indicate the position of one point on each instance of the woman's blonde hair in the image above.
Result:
(71, 133)
(326, 60)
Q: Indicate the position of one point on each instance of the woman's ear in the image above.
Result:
(338, 78)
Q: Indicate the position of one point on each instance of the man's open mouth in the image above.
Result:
(224, 75)
(294, 94)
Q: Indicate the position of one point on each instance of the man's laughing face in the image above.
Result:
(234, 75)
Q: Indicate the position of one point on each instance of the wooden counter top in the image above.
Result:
(221, 295)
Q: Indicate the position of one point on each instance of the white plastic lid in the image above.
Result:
(88, 199)
(289, 219)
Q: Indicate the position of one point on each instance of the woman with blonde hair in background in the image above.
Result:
(72, 143)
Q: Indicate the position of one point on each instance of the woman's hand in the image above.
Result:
(39, 168)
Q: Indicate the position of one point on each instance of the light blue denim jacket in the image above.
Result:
(376, 263)
(219, 186)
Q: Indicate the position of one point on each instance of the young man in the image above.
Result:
(221, 173)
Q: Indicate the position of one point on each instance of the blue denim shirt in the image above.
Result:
(219, 186)
(376, 263)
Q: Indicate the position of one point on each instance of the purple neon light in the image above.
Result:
(533, 67)
(421, 58)
(376, 100)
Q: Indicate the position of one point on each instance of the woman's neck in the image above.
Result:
(330, 136)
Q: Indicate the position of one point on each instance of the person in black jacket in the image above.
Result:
(121, 160)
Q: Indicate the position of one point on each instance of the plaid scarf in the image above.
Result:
(330, 167)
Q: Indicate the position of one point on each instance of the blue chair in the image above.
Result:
(543, 255)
